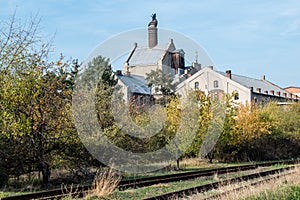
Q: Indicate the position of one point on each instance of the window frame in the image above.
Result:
(216, 84)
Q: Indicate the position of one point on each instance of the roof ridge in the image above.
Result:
(273, 84)
(224, 74)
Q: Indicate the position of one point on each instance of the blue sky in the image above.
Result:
(251, 38)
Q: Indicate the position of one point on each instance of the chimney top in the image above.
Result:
(263, 77)
(152, 32)
(154, 21)
(211, 67)
(119, 72)
(228, 74)
(258, 90)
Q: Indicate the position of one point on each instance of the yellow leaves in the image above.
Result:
(251, 122)
(173, 114)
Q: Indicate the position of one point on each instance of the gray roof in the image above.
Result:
(178, 51)
(248, 82)
(143, 56)
(135, 84)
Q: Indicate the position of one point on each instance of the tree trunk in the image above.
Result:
(177, 159)
(177, 165)
(210, 157)
(46, 172)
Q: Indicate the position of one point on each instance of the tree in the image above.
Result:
(35, 101)
(182, 124)
(99, 73)
(161, 82)
(20, 68)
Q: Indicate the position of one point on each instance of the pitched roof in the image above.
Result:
(294, 90)
(248, 82)
(143, 56)
(136, 84)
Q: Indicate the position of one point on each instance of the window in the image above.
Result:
(196, 85)
(216, 84)
(236, 96)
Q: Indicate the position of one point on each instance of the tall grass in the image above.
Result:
(253, 191)
(104, 184)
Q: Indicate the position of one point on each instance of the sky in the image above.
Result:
(252, 38)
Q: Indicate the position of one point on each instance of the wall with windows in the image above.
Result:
(214, 84)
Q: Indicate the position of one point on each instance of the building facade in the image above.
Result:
(294, 90)
(245, 89)
(142, 60)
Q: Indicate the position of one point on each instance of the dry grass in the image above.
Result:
(104, 184)
(230, 192)
(195, 162)
(69, 192)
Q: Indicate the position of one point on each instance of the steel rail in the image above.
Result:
(222, 194)
(143, 182)
(206, 187)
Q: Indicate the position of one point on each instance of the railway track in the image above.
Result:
(206, 187)
(146, 181)
(255, 183)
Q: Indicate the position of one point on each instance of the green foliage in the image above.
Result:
(94, 70)
(204, 117)
(36, 127)
(284, 192)
(161, 82)
(260, 133)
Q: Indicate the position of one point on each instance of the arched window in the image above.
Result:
(196, 85)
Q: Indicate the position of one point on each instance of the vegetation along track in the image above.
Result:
(147, 181)
(206, 187)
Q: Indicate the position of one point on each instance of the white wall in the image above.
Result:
(206, 78)
(143, 70)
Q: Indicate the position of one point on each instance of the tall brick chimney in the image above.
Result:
(152, 32)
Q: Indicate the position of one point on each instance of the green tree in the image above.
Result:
(161, 82)
(35, 101)
(182, 124)
(99, 73)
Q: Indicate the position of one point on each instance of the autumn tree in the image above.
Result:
(35, 101)
(182, 124)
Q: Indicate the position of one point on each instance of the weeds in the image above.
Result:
(104, 184)
(253, 191)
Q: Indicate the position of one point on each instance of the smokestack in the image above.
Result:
(119, 72)
(152, 32)
(152, 36)
(228, 74)
(258, 90)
